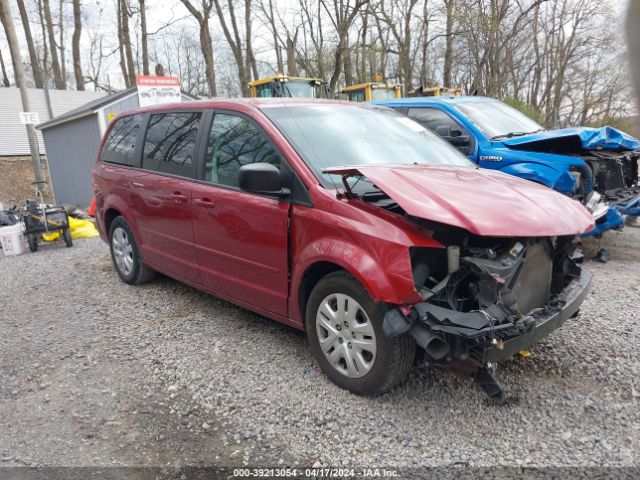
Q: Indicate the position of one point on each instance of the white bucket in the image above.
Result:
(12, 239)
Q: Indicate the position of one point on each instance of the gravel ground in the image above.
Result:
(94, 372)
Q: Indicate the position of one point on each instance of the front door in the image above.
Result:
(447, 127)
(240, 238)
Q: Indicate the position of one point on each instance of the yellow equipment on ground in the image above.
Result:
(364, 92)
(436, 92)
(80, 228)
(287, 86)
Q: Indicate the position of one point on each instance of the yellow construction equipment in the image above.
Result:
(286, 86)
(436, 92)
(364, 92)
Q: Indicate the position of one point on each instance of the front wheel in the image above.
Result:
(344, 328)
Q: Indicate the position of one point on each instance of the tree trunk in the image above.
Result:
(234, 41)
(143, 28)
(14, 47)
(123, 61)
(59, 81)
(35, 64)
(251, 66)
(292, 67)
(448, 50)
(276, 43)
(126, 38)
(207, 52)
(205, 41)
(75, 45)
(63, 63)
(633, 41)
(5, 78)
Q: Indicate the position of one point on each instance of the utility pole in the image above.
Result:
(12, 39)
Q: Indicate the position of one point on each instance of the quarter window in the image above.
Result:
(121, 143)
(235, 141)
(170, 142)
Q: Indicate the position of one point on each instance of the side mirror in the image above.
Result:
(262, 178)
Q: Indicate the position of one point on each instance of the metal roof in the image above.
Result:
(93, 106)
(13, 135)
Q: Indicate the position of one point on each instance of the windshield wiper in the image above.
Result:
(515, 134)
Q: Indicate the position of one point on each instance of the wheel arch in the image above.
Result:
(115, 207)
(310, 278)
(388, 279)
(109, 216)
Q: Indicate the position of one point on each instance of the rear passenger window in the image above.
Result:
(169, 146)
(121, 142)
(235, 141)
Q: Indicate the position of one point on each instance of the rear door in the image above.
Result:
(240, 238)
(164, 203)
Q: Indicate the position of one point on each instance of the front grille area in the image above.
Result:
(613, 171)
(533, 285)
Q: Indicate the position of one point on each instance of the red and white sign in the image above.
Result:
(156, 90)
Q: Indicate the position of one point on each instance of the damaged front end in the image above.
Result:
(607, 181)
(486, 299)
(505, 271)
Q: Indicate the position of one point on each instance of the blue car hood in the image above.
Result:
(576, 138)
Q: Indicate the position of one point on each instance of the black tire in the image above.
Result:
(66, 234)
(140, 273)
(32, 238)
(394, 355)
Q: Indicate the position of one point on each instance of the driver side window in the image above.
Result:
(235, 141)
(444, 125)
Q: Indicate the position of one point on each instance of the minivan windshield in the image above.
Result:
(332, 135)
(498, 120)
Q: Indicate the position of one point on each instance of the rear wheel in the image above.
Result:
(33, 241)
(66, 234)
(125, 254)
(344, 327)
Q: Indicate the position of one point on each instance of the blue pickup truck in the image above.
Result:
(597, 166)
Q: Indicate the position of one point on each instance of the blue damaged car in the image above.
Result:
(597, 166)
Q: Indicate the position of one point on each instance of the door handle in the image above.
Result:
(137, 185)
(179, 197)
(204, 203)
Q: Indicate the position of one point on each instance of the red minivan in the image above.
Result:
(349, 221)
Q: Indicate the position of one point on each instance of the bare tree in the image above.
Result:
(203, 16)
(75, 45)
(35, 64)
(240, 47)
(144, 37)
(5, 78)
(449, 6)
(342, 15)
(59, 80)
(633, 37)
(126, 39)
(61, 41)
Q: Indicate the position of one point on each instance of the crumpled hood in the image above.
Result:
(484, 202)
(576, 138)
